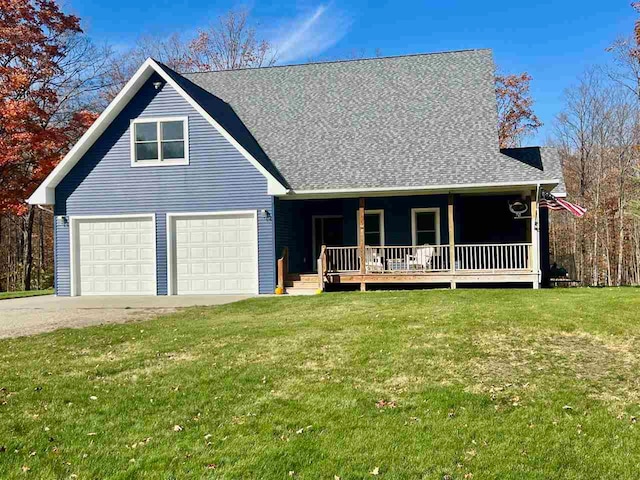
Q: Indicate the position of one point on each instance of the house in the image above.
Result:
(374, 171)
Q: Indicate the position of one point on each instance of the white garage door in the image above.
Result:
(215, 254)
(115, 256)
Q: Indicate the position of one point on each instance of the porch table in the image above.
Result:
(396, 264)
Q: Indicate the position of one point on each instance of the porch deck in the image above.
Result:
(502, 248)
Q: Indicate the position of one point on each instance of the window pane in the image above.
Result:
(372, 222)
(372, 239)
(172, 150)
(146, 151)
(424, 238)
(146, 132)
(172, 130)
(425, 221)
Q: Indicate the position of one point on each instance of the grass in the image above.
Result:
(30, 293)
(462, 384)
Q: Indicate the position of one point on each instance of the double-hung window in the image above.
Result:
(425, 226)
(159, 141)
(373, 227)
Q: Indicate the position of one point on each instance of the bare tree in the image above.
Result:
(229, 43)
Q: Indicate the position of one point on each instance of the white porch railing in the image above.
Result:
(513, 256)
(342, 259)
(429, 258)
(407, 259)
(389, 259)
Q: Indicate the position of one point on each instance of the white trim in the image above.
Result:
(418, 190)
(170, 217)
(313, 236)
(380, 213)
(45, 193)
(435, 210)
(73, 261)
(158, 121)
(535, 239)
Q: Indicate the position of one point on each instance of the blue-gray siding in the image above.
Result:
(218, 178)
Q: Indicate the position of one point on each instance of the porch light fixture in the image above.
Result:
(266, 214)
(157, 85)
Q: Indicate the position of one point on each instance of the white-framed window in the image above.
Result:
(425, 226)
(373, 228)
(160, 141)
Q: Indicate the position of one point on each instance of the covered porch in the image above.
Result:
(452, 239)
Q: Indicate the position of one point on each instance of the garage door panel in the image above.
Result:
(215, 254)
(117, 257)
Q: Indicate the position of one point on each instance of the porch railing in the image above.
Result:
(495, 257)
(429, 258)
(342, 259)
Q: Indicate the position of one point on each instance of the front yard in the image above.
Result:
(395, 385)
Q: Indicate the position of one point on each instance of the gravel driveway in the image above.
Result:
(27, 316)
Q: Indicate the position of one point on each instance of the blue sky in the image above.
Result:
(555, 41)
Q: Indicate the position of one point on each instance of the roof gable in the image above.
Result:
(45, 193)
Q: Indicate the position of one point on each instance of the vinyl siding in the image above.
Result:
(217, 179)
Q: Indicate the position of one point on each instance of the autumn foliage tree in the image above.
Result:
(47, 70)
(516, 119)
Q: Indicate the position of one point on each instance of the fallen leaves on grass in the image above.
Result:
(375, 471)
(178, 428)
(386, 404)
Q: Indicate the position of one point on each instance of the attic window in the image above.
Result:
(159, 141)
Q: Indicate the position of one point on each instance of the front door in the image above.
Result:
(327, 231)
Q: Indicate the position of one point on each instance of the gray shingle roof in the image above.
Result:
(418, 120)
(542, 158)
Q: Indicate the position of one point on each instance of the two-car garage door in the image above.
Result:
(206, 254)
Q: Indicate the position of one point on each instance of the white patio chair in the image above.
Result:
(373, 261)
(422, 258)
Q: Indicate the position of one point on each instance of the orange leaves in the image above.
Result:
(515, 109)
(34, 37)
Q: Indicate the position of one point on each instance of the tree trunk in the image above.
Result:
(608, 251)
(27, 244)
(41, 266)
(620, 239)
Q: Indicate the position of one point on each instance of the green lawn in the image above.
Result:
(30, 293)
(475, 384)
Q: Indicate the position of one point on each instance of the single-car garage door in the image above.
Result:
(214, 254)
(115, 256)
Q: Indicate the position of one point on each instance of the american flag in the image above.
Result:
(553, 203)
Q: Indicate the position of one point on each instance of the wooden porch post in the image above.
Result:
(452, 240)
(361, 245)
(533, 257)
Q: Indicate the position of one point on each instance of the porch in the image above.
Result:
(452, 239)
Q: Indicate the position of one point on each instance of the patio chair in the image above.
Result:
(422, 258)
(373, 261)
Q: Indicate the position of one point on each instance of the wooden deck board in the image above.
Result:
(435, 277)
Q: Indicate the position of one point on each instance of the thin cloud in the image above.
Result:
(307, 36)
